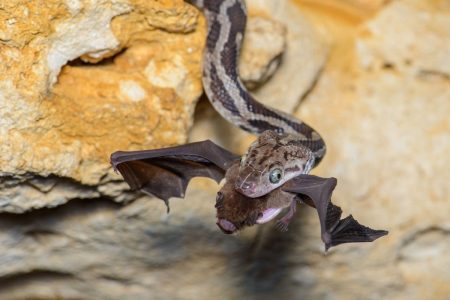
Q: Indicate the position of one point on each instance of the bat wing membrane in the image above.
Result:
(166, 172)
(334, 230)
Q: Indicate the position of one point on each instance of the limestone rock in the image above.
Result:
(425, 19)
(382, 104)
(305, 55)
(118, 88)
(130, 88)
(264, 44)
(383, 111)
(71, 229)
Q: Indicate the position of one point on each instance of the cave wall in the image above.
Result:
(81, 79)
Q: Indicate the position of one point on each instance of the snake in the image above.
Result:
(286, 146)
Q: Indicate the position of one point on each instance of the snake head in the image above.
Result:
(236, 211)
(270, 161)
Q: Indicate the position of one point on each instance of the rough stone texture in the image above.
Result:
(303, 41)
(374, 84)
(382, 104)
(265, 41)
(141, 94)
(389, 95)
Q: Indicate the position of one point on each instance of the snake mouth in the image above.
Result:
(250, 193)
(268, 215)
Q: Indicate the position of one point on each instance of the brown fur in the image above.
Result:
(241, 210)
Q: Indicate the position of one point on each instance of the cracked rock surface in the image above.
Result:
(81, 79)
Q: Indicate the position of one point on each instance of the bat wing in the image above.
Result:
(334, 230)
(166, 172)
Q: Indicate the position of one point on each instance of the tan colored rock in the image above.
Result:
(382, 104)
(128, 101)
(427, 20)
(386, 128)
(71, 128)
(264, 45)
(305, 55)
(385, 122)
(365, 5)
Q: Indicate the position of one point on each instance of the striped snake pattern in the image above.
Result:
(226, 21)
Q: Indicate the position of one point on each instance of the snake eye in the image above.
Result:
(275, 176)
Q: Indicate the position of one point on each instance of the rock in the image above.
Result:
(305, 45)
(416, 19)
(141, 94)
(264, 44)
(71, 229)
(134, 98)
(375, 104)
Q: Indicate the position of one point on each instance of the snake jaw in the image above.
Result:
(247, 190)
(252, 182)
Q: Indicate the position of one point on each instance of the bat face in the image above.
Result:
(236, 211)
(270, 162)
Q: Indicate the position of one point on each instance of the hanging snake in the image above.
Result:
(295, 147)
(273, 172)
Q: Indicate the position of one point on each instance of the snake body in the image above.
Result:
(226, 21)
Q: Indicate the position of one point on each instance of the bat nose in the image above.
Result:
(226, 226)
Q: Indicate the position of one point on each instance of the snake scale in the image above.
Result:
(226, 25)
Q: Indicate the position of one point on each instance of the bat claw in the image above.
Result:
(281, 226)
(166, 202)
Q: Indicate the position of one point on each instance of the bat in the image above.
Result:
(165, 173)
(334, 230)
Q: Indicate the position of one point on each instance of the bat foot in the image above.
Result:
(282, 226)
(166, 202)
(283, 223)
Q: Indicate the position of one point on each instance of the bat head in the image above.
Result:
(236, 211)
(270, 161)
